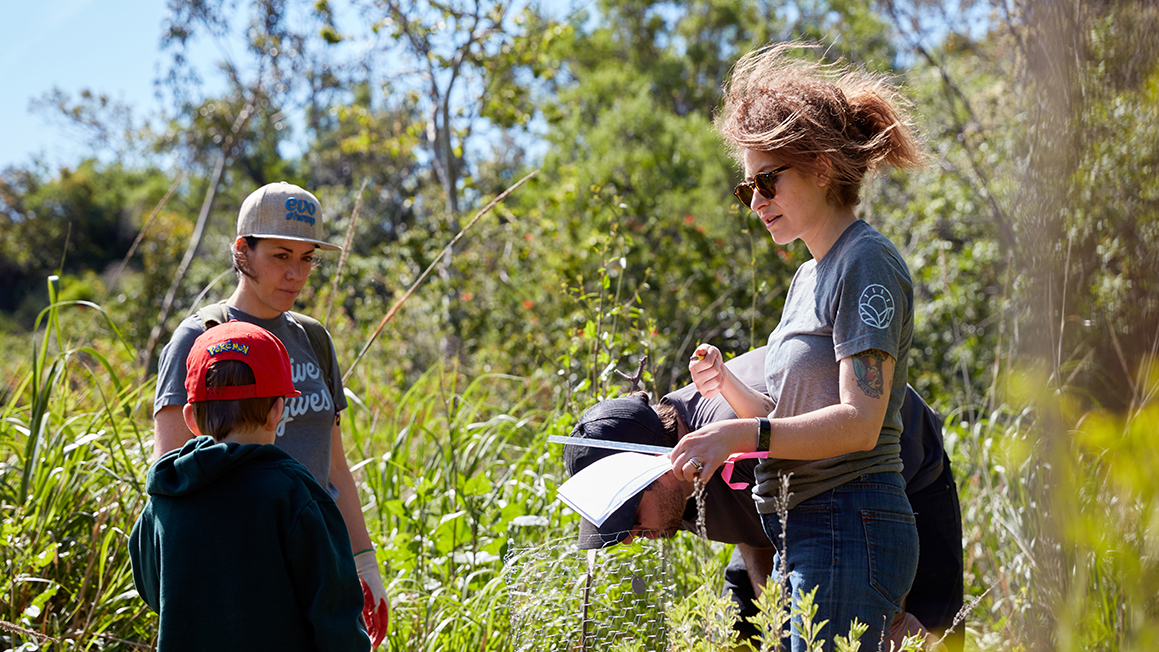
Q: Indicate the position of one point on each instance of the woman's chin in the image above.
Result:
(780, 239)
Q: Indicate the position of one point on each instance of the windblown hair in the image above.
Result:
(826, 118)
(218, 418)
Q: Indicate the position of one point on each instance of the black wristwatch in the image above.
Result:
(764, 434)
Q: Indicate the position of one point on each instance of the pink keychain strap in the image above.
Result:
(726, 471)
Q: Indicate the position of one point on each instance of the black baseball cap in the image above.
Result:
(628, 419)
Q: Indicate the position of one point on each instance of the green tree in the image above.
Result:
(634, 203)
(1090, 293)
(81, 220)
(455, 67)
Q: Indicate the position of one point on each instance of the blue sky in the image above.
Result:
(108, 46)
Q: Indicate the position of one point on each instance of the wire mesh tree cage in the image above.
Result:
(564, 599)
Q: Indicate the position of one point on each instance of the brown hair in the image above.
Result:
(668, 416)
(218, 418)
(828, 118)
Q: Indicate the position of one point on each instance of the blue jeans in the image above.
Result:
(858, 544)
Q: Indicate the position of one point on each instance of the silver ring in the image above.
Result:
(696, 464)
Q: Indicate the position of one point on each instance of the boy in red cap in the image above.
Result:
(239, 548)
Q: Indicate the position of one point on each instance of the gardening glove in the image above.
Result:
(376, 609)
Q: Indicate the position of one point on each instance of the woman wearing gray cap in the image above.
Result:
(836, 366)
(278, 230)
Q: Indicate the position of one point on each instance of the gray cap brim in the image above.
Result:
(326, 246)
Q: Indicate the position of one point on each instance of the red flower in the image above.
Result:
(528, 304)
(688, 219)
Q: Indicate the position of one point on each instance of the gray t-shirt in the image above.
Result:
(304, 431)
(858, 297)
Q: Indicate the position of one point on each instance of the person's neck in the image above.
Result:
(828, 230)
(244, 301)
(256, 435)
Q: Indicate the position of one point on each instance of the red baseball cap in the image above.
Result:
(258, 348)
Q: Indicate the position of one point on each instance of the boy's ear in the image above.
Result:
(190, 420)
(275, 415)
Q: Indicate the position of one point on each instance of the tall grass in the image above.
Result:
(70, 481)
(1061, 519)
(447, 469)
(1061, 529)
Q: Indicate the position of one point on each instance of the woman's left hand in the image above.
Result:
(710, 446)
(376, 606)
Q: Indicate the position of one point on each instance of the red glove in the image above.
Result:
(377, 617)
(376, 609)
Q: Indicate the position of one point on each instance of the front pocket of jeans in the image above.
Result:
(892, 545)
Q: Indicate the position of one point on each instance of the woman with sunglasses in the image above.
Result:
(807, 134)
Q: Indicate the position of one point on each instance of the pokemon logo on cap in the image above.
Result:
(253, 345)
(228, 346)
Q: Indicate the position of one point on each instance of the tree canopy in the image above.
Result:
(629, 228)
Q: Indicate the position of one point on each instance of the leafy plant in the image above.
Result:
(69, 485)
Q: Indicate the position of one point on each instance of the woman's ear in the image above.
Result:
(275, 415)
(240, 248)
(190, 420)
(823, 169)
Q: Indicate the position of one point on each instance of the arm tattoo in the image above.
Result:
(867, 366)
(768, 405)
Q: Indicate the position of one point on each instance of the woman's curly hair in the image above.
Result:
(828, 119)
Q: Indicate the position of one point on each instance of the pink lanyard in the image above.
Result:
(726, 471)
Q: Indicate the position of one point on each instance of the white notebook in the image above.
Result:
(604, 485)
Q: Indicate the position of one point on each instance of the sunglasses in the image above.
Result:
(762, 182)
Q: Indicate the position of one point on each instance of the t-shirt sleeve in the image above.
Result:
(336, 378)
(171, 367)
(873, 302)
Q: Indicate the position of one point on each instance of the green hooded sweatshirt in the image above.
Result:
(239, 548)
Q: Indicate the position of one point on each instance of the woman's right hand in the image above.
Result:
(710, 447)
(707, 368)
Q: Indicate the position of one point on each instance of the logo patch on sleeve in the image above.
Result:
(876, 306)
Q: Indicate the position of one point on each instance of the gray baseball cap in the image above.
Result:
(282, 210)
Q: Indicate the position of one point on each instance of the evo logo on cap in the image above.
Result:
(301, 210)
(228, 345)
